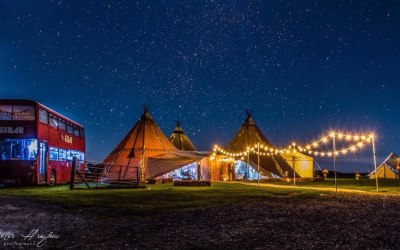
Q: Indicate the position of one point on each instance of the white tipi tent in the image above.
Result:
(145, 146)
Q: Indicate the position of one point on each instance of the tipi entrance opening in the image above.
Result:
(252, 174)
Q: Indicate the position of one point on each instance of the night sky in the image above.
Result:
(304, 67)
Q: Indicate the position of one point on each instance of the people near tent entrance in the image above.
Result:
(287, 176)
(230, 172)
(358, 175)
(286, 173)
(325, 172)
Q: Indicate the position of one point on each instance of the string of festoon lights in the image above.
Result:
(359, 140)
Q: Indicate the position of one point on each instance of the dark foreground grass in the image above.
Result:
(157, 199)
(369, 185)
(164, 198)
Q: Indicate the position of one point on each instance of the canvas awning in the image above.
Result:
(165, 163)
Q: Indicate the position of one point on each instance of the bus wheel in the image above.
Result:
(53, 178)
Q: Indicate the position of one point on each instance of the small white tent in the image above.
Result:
(388, 168)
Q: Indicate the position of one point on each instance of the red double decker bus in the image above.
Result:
(37, 144)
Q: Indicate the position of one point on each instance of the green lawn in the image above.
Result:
(155, 198)
(164, 198)
(385, 185)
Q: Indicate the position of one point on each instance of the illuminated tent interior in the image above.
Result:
(387, 169)
(303, 164)
(146, 146)
(270, 166)
(194, 170)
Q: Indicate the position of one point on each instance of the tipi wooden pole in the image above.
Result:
(199, 170)
(142, 165)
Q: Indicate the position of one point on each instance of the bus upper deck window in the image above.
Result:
(62, 125)
(70, 129)
(82, 133)
(53, 122)
(76, 131)
(5, 112)
(25, 113)
(43, 116)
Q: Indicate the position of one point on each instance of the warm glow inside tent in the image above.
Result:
(193, 171)
(301, 163)
(388, 168)
(272, 166)
(146, 147)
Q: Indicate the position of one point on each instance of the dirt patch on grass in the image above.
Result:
(344, 221)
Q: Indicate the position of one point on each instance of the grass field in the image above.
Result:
(385, 185)
(224, 216)
(163, 198)
(155, 198)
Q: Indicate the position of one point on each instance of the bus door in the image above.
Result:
(42, 161)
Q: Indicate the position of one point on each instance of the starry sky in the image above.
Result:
(303, 67)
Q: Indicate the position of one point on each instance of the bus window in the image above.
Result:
(80, 156)
(69, 155)
(82, 133)
(18, 149)
(43, 116)
(76, 131)
(53, 154)
(24, 113)
(62, 154)
(5, 112)
(70, 129)
(61, 125)
(53, 122)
